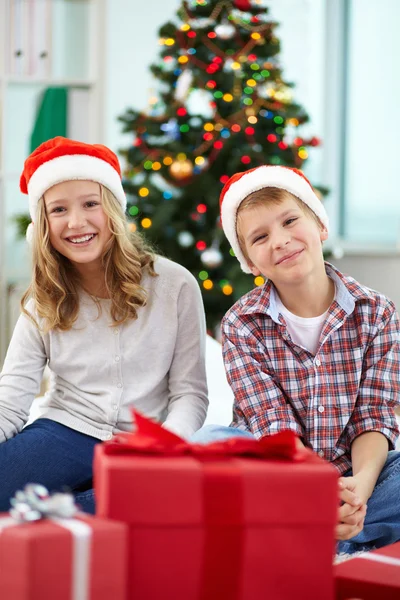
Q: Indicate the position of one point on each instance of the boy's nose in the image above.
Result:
(281, 239)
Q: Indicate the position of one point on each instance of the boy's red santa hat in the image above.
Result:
(241, 185)
(61, 159)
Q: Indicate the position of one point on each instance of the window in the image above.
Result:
(370, 124)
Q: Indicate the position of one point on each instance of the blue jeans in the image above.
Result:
(382, 523)
(52, 454)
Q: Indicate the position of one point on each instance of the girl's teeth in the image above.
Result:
(84, 238)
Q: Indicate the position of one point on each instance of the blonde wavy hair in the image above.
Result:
(55, 282)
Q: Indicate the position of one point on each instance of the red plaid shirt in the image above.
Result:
(350, 386)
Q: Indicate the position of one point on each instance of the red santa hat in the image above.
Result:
(61, 159)
(240, 185)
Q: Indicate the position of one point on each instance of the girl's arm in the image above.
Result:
(20, 377)
(188, 402)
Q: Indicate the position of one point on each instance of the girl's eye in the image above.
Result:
(290, 221)
(57, 209)
(91, 203)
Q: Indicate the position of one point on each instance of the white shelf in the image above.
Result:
(71, 35)
(47, 81)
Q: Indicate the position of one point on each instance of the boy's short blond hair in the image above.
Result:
(265, 196)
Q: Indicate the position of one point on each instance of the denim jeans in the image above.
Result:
(52, 454)
(382, 523)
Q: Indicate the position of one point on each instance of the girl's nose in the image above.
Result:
(77, 220)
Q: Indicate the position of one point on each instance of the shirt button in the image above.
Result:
(321, 409)
(321, 453)
(119, 385)
(115, 406)
(317, 362)
(108, 436)
(117, 359)
(116, 331)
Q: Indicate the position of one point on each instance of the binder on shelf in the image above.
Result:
(41, 42)
(29, 31)
(17, 37)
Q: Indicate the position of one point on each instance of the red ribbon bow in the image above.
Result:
(150, 438)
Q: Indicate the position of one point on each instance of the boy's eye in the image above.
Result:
(259, 238)
(291, 220)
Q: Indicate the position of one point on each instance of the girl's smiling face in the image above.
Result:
(78, 226)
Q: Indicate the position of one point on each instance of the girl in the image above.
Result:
(117, 326)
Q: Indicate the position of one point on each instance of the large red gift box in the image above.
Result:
(238, 520)
(82, 558)
(371, 576)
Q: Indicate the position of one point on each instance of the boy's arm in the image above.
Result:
(373, 428)
(259, 402)
(379, 389)
(368, 455)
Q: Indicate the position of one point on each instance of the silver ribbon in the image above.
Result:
(381, 558)
(35, 502)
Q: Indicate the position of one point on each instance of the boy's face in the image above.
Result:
(282, 242)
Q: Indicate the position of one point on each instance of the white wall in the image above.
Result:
(378, 271)
(132, 45)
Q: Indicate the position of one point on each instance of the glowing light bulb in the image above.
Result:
(227, 290)
(146, 223)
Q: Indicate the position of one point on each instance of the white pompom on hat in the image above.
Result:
(241, 185)
(61, 159)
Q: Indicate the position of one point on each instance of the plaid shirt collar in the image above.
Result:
(348, 292)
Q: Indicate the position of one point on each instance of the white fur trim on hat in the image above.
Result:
(69, 167)
(279, 177)
(29, 233)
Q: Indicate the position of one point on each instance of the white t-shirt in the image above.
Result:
(305, 332)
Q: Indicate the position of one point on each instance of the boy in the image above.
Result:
(312, 350)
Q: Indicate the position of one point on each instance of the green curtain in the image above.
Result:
(51, 119)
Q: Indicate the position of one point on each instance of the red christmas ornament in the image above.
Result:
(315, 141)
(242, 4)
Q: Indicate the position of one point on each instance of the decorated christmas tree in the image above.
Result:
(223, 107)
